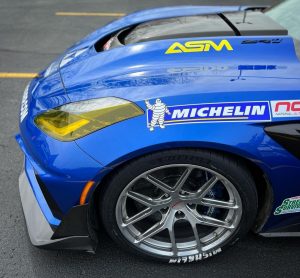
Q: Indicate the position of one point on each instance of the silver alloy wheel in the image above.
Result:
(148, 220)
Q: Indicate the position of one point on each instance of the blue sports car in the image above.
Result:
(177, 130)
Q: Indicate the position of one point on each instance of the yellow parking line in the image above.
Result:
(88, 14)
(17, 75)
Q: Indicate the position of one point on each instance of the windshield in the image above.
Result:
(287, 14)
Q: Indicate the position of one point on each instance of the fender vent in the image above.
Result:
(287, 135)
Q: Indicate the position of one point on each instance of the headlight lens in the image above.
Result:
(75, 120)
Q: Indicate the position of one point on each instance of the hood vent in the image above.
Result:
(244, 23)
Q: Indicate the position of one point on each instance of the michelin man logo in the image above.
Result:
(159, 110)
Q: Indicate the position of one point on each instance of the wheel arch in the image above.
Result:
(263, 185)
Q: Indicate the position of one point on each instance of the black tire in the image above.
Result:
(234, 170)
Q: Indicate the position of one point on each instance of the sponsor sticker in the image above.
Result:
(194, 258)
(161, 115)
(263, 41)
(199, 46)
(289, 205)
(285, 108)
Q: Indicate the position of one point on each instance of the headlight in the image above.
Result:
(75, 120)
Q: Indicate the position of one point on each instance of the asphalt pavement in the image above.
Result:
(31, 36)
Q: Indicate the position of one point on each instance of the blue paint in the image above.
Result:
(251, 74)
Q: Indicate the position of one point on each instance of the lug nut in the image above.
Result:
(192, 206)
(179, 214)
(164, 210)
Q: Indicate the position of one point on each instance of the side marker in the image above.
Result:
(85, 192)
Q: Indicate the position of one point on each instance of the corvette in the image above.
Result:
(176, 130)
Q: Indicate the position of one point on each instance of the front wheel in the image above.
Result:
(179, 206)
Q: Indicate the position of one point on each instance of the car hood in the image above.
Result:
(144, 70)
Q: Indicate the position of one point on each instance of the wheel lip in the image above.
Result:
(149, 244)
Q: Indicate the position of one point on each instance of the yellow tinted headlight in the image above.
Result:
(75, 120)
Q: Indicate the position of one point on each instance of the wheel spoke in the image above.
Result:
(197, 197)
(137, 217)
(206, 187)
(142, 199)
(196, 235)
(195, 217)
(218, 204)
(180, 183)
(161, 185)
(173, 240)
(214, 222)
(155, 229)
(154, 204)
(169, 223)
(193, 220)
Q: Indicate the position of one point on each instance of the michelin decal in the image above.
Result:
(195, 258)
(161, 115)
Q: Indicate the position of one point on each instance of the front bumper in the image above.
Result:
(40, 232)
(72, 231)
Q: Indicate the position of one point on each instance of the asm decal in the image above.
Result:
(199, 46)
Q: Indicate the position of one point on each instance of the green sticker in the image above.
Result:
(289, 205)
